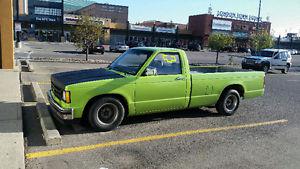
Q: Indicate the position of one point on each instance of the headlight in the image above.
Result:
(67, 96)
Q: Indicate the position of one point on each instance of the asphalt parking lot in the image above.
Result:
(263, 134)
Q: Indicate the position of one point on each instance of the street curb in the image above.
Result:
(50, 133)
(70, 60)
(30, 66)
(18, 66)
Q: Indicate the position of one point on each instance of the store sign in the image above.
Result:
(140, 28)
(238, 16)
(165, 30)
(240, 34)
(224, 25)
(45, 19)
(72, 19)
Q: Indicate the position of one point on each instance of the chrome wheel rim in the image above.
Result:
(231, 103)
(107, 114)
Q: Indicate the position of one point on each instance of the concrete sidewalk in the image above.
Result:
(11, 131)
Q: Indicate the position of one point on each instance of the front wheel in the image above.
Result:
(266, 68)
(106, 114)
(228, 102)
(286, 69)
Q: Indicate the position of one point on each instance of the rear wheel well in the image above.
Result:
(91, 101)
(237, 87)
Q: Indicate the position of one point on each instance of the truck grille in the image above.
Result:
(250, 61)
(57, 91)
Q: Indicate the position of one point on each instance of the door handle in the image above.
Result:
(179, 78)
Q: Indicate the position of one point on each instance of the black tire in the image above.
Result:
(228, 102)
(265, 68)
(286, 69)
(106, 114)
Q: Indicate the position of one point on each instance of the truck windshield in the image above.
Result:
(267, 54)
(131, 61)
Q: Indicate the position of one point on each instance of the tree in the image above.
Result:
(261, 40)
(87, 33)
(217, 42)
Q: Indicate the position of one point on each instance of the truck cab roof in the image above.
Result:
(161, 49)
(275, 50)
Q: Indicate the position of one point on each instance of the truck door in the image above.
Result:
(164, 89)
(280, 60)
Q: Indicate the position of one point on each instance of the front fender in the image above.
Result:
(82, 93)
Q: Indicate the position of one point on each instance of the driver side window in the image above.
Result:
(279, 55)
(166, 64)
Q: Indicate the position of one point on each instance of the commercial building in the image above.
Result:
(240, 26)
(117, 13)
(70, 22)
(44, 20)
(20, 7)
(73, 5)
(157, 33)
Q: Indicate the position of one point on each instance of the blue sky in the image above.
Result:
(284, 14)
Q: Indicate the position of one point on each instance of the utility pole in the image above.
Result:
(62, 20)
(258, 18)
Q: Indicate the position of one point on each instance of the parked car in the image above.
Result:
(95, 49)
(269, 59)
(148, 80)
(293, 52)
(119, 47)
(99, 49)
(229, 49)
(194, 47)
(243, 50)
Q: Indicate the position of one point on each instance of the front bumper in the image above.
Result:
(58, 111)
(252, 66)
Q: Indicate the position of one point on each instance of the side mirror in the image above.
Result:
(151, 72)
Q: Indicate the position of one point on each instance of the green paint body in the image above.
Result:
(161, 93)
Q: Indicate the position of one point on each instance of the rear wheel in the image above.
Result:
(286, 69)
(106, 114)
(228, 102)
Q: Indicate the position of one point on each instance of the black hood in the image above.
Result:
(61, 80)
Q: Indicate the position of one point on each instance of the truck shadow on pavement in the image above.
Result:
(83, 127)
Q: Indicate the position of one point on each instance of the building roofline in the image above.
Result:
(96, 3)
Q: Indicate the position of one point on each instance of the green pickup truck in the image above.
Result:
(149, 80)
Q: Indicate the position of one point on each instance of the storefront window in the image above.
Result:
(47, 11)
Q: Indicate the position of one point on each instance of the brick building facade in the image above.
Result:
(202, 26)
(117, 13)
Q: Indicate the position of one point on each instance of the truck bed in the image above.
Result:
(214, 69)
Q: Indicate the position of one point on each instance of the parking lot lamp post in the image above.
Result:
(62, 20)
(258, 18)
